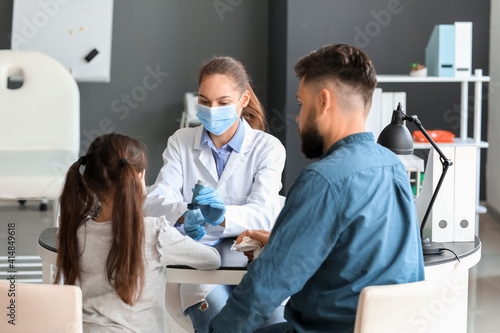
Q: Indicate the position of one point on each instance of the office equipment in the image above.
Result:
(453, 217)
(40, 308)
(188, 117)
(39, 126)
(414, 166)
(441, 227)
(464, 220)
(440, 51)
(91, 55)
(387, 107)
(437, 135)
(463, 49)
(397, 138)
(379, 115)
(463, 139)
(374, 119)
(67, 31)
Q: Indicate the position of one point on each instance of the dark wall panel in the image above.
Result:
(174, 38)
(394, 34)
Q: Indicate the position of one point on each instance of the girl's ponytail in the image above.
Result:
(76, 203)
(254, 113)
(125, 264)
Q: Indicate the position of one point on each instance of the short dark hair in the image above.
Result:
(342, 63)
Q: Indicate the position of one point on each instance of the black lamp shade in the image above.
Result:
(396, 136)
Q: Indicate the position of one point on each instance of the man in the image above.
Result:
(349, 220)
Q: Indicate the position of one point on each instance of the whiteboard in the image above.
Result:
(67, 30)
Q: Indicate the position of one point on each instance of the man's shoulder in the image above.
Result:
(352, 159)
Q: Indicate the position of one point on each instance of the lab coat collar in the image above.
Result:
(248, 140)
(235, 159)
(234, 144)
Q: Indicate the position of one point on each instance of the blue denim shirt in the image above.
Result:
(221, 155)
(349, 222)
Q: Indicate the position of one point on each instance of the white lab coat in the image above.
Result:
(249, 186)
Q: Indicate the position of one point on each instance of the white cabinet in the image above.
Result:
(464, 139)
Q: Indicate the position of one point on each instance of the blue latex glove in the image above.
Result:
(211, 205)
(194, 224)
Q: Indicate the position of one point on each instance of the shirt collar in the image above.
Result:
(235, 143)
(357, 137)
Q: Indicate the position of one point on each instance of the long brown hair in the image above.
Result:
(253, 112)
(112, 164)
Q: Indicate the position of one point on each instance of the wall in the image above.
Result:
(268, 37)
(174, 38)
(493, 160)
(394, 34)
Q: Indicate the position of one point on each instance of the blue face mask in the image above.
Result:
(218, 119)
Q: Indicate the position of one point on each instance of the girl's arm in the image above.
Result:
(176, 249)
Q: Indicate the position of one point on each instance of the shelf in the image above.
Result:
(427, 79)
(458, 143)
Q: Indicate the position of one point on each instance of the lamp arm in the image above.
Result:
(445, 162)
(416, 121)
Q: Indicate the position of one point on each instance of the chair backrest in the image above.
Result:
(425, 306)
(38, 308)
(44, 113)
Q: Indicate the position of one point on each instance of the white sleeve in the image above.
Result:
(165, 196)
(176, 249)
(262, 206)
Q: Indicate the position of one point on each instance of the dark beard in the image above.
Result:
(312, 141)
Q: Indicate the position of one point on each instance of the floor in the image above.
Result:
(484, 278)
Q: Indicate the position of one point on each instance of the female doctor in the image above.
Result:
(240, 164)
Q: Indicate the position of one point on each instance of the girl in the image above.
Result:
(240, 164)
(115, 254)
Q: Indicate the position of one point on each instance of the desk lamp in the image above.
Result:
(397, 138)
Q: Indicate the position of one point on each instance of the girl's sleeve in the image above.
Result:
(173, 248)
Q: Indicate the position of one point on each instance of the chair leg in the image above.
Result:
(43, 205)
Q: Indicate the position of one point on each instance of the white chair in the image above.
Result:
(40, 308)
(426, 306)
(39, 126)
(188, 117)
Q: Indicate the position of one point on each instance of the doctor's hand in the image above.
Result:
(260, 235)
(194, 224)
(211, 205)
